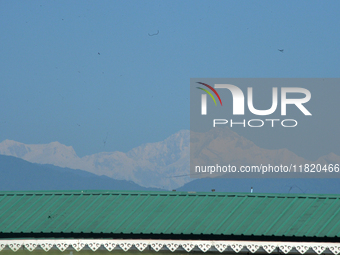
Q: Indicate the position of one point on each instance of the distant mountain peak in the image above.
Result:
(149, 165)
(52, 153)
(10, 142)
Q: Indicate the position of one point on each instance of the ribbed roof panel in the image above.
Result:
(121, 212)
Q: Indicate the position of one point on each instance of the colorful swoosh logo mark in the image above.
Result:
(208, 92)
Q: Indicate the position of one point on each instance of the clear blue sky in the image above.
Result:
(81, 72)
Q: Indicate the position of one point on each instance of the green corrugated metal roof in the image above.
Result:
(179, 213)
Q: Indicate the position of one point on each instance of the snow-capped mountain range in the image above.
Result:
(163, 164)
(149, 165)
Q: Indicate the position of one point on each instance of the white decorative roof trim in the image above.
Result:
(172, 245)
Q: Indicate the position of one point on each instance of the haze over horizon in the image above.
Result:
(164, 164)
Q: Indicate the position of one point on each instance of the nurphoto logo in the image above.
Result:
(239, 104)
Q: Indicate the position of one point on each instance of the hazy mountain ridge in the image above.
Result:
(53, 153)
(149, 165)
(18, 174)
(226, 147)
(163, 164)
